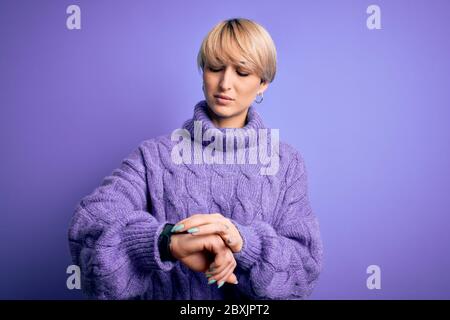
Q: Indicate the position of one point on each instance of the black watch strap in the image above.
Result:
(164, 243)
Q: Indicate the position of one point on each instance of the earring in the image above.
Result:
(262, 98)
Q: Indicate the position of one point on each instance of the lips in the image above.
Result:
(222, 96)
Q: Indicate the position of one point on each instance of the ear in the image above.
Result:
(263, 86)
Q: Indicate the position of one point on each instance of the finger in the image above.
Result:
(216, 247)
(196, 220)
(183, 245)
(225, 274)
(213, 244)
(221, 261)
(219, 268)
(195, 217)
(227, 234)
(232, 279)
(210, 228)
(215, 269)
(221, 274)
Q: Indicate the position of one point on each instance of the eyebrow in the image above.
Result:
(240, 62)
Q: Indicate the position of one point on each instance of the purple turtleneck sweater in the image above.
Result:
(114, 232)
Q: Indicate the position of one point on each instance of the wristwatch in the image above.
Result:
(164, 243)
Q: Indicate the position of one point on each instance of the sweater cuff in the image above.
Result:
(251, 247)
(141, 243)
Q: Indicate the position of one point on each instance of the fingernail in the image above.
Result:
(192, 230)
(212, 281)
(220, 284)
(177, 228)
(208, 275)
(236, 282)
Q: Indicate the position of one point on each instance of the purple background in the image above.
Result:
(368, 109)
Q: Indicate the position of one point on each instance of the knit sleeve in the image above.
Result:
(112, 236)
(282, 260)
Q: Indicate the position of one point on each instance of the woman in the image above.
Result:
(191, 218)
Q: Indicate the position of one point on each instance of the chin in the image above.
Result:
(223, 111)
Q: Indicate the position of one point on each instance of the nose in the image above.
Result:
(226, 79)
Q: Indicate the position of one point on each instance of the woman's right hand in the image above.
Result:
(199, 253)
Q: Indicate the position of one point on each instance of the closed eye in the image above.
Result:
(238, 72)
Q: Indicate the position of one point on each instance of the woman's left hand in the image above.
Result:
(214, 223)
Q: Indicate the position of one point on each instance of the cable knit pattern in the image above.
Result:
(114, 231)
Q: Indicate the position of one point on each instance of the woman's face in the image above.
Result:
(236, 84)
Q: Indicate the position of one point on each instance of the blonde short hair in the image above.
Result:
(253, 43)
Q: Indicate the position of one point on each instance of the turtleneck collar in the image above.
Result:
(203, 143)
(201, 122)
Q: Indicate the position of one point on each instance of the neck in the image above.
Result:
(237, 121)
